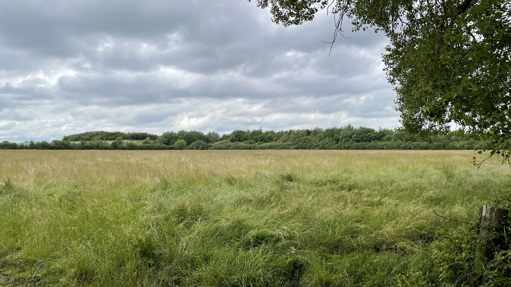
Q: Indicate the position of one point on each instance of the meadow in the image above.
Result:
(241, 218)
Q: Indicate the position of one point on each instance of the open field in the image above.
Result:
(237, 218)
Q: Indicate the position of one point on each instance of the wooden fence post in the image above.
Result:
(491, 217)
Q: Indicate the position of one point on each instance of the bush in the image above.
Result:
(199, 145)
(180, 144)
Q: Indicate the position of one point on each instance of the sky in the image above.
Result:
(71, 66)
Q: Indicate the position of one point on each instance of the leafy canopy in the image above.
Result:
(449, 61)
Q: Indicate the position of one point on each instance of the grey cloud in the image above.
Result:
(13, 115)
(162, 65)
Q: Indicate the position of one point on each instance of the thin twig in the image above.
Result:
(337, 31)
(480, 163)
(450, 219)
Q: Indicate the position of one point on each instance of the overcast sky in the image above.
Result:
(71, 66)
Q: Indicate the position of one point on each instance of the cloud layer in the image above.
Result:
(154, 66)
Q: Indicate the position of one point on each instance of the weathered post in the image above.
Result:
(490, 218)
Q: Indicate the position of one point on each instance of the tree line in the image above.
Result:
(347, 137)
(102, 135)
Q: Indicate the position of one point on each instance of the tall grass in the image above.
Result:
(231, 218)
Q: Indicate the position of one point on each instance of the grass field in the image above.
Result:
(238, 218)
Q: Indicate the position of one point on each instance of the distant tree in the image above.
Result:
(191, 136)
(385, 134)
(98, 144)
(212, 137)
(363, 134)
(269, 136)
(239, 136)
(180, 144)
(56, 144)
(168, 138)
(332, 134)
(199, 145)
(117, 143)
(140, 136)
(131, 146)
(346, 134)
(8, 145)
(43, 145)
(256, 136)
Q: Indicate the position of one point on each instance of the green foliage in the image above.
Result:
(454, 66)
(192, 136)
(108, 136)
(450, 259)
(348, 137)
(180, 144)
(8, 145)
(117, 143)
(292, 12)
(239, 136)
(170, 138)
(448, 60)
(212, 137)
(199, 145)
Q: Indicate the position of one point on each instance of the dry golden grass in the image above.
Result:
(33, 168)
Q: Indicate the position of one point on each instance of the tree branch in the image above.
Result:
(450, 219)
(464, 6)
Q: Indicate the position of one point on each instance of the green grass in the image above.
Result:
(232, 218)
